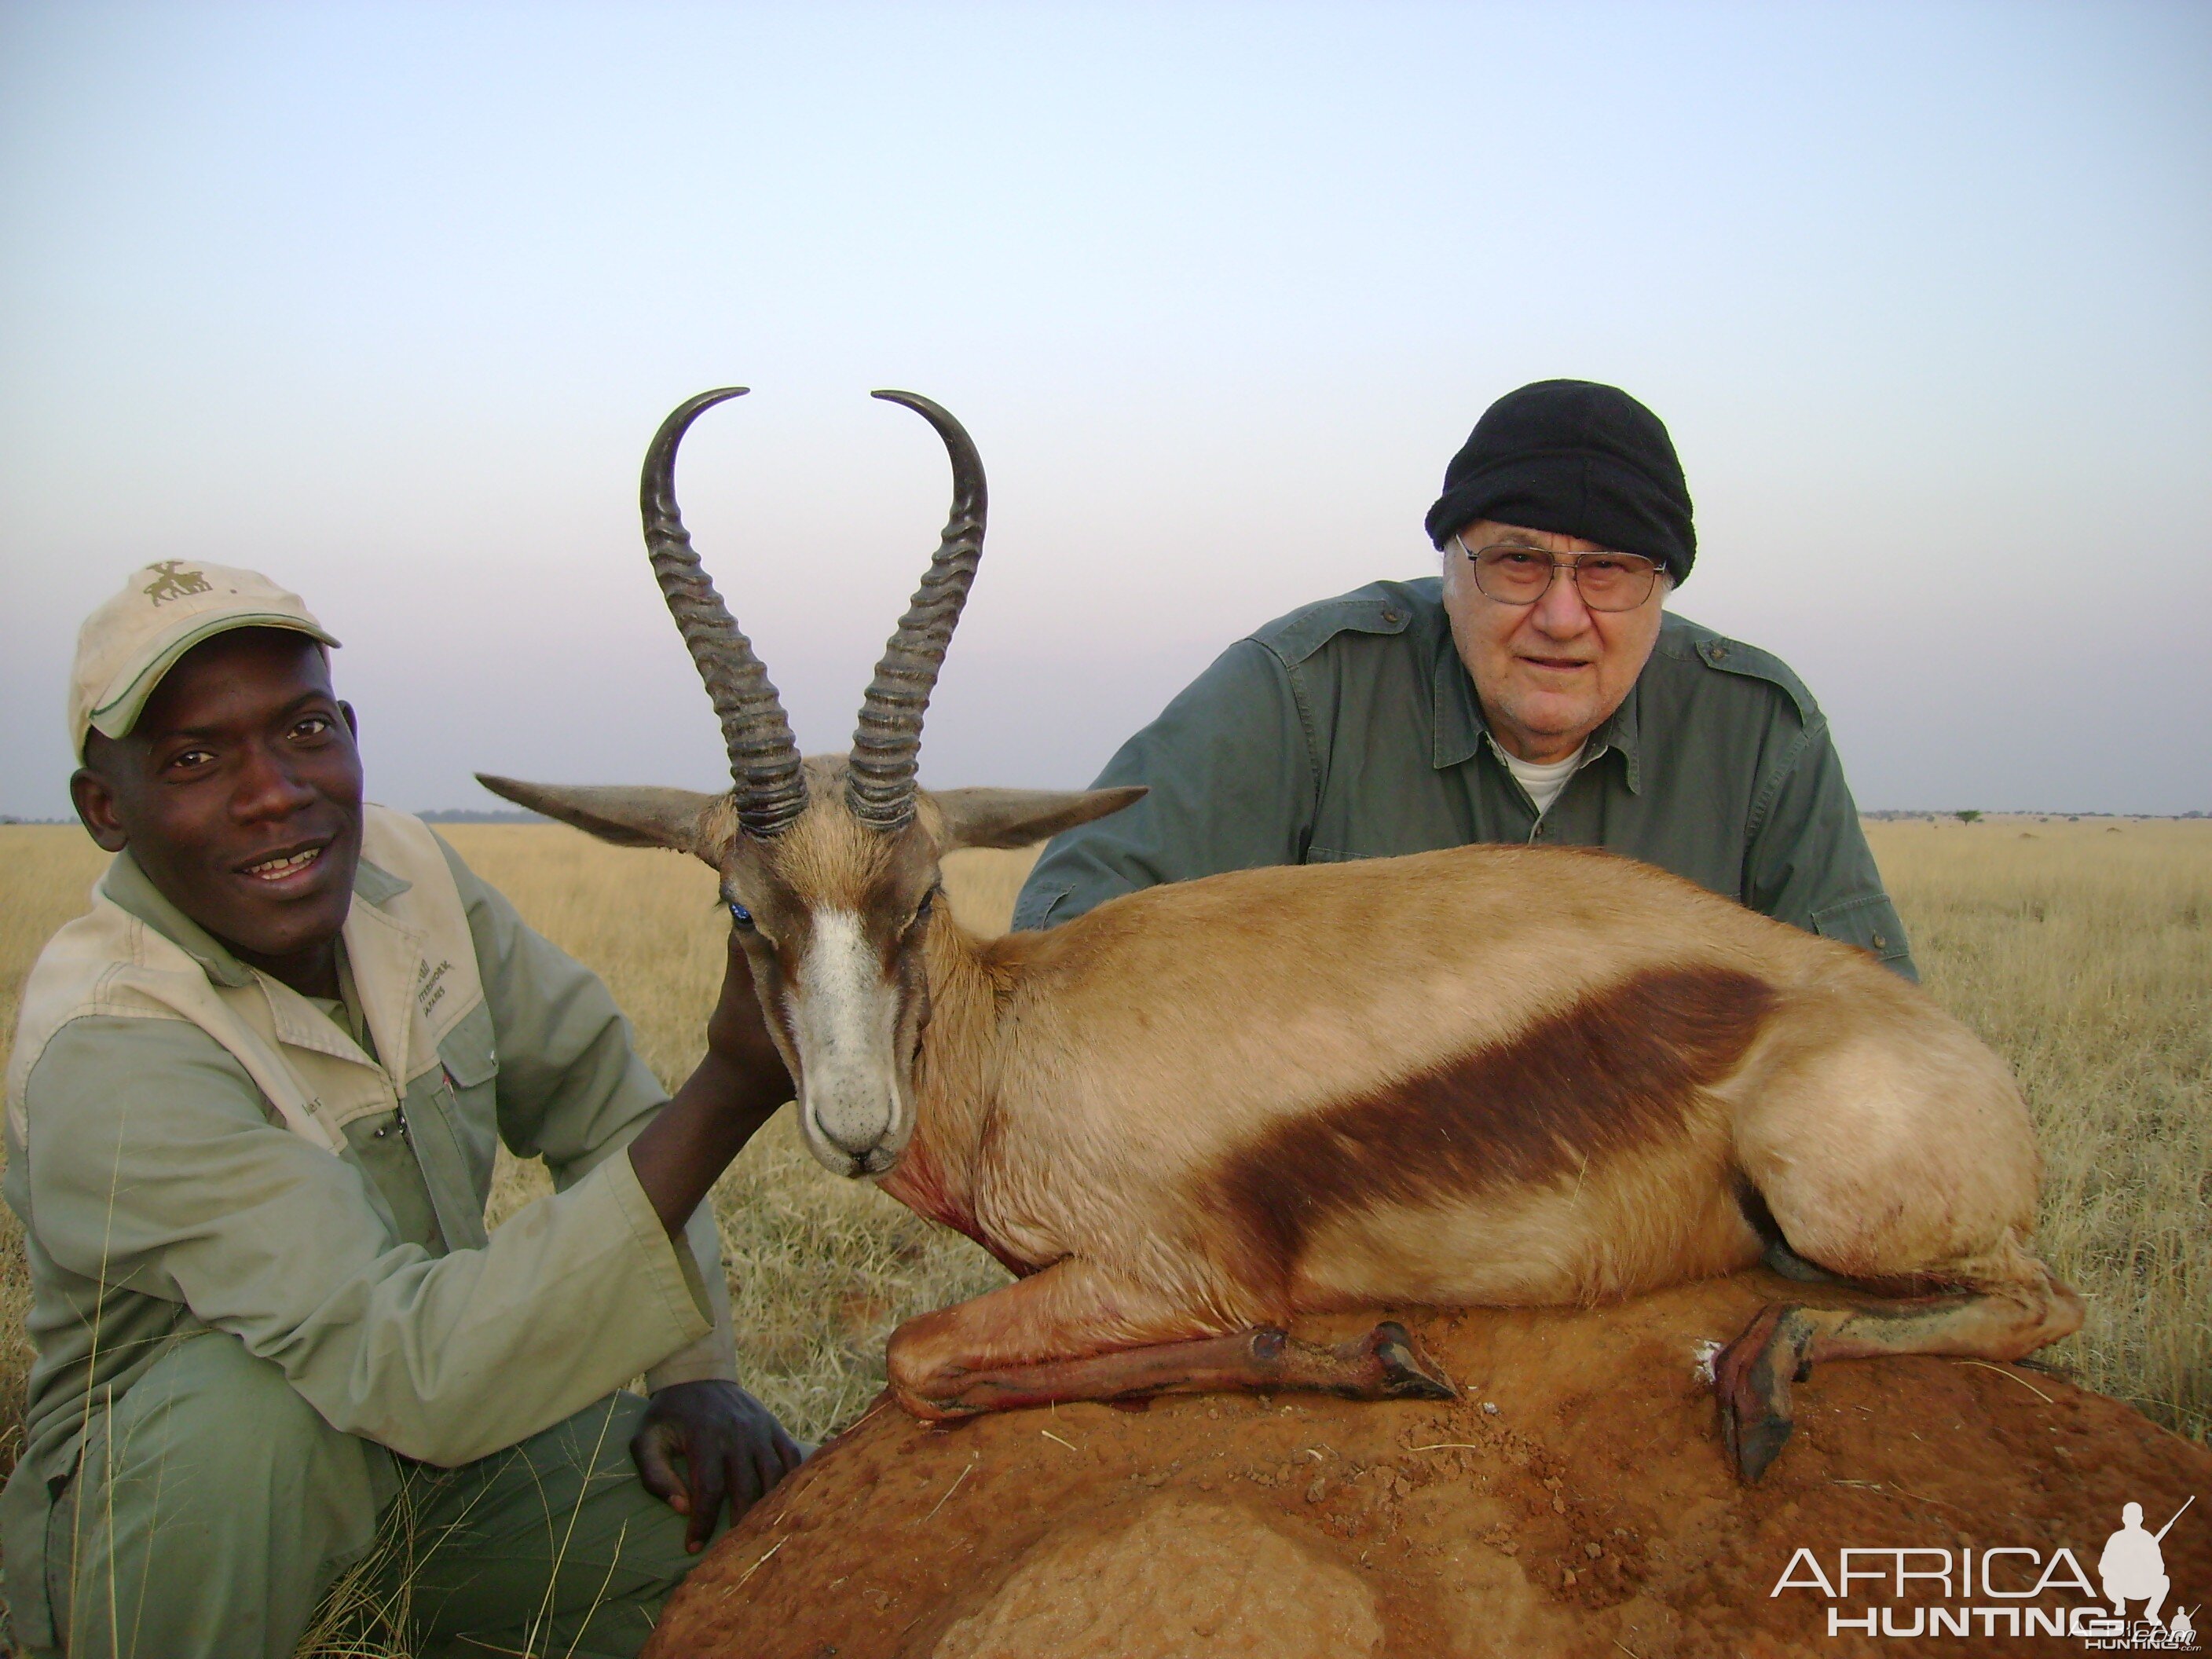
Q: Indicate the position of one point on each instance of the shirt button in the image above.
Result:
(1880, 943)
(1389, 615)
(1719, 653)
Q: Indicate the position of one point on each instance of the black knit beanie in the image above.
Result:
(1577, 459)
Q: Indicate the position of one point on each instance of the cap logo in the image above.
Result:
(175, 582)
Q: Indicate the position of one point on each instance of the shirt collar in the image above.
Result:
(1622, 730)
(130, 889)
(1462, 730)
(1460, 726)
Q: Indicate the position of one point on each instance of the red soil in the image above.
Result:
(1591, 1513)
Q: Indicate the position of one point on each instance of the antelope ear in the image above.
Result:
(627, 816)
(1016, 818)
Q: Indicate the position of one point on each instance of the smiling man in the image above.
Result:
(252, 1109)
(1538, 692)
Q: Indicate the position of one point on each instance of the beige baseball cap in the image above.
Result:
(163, 611)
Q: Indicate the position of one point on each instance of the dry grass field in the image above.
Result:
(2082, 951)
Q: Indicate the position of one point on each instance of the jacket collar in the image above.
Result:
(131, 890)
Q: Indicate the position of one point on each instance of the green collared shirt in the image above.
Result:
(1350, 729)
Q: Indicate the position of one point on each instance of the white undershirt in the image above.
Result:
(1543, 782)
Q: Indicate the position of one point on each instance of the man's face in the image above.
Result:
(1550, 673)
(238, 793)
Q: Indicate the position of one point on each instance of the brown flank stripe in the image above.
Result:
(1618, 1070)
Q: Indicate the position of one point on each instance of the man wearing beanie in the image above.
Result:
(1538, 692)
(252, 1112)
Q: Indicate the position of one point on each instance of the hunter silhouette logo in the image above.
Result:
(2133, 1567)
(172, 582)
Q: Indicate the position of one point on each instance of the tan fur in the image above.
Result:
(1089, 1079)
(1163, 1030)
(1487, 1075)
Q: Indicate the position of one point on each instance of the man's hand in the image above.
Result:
(737, 1031)
(737, 1086)
(731, 1449)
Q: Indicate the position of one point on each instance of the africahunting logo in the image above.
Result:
(2005, 1592)
(172, 582)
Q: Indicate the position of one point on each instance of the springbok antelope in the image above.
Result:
(1506, 1076)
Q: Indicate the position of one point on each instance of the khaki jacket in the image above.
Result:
(192, 1144)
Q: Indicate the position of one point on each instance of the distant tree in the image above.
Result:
(1967, 817)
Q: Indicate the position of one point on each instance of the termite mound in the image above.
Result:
(1576, 1501)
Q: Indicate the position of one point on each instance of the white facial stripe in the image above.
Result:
(839, 978)
(846, 1018)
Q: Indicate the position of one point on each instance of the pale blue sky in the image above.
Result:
(386, 299)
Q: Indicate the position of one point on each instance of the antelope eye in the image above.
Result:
(740, 916)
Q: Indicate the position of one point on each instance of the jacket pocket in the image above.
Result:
(469, 1105)
(1869, 922)
(467, 1051)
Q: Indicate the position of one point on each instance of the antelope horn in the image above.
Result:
(880, 786)
(763, 756)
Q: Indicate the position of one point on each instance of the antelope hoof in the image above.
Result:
(1404, 1376)
(1752, 1378)
(934, 1413)
(934, 1410)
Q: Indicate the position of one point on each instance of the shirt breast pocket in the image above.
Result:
(470, 1059)
(1869, 922)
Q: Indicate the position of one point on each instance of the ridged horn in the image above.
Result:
(763, 756)
(885, 746)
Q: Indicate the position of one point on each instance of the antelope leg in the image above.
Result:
(1078, 1332)
(1753, 1375)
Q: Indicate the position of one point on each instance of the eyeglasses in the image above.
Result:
(1522, 575)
